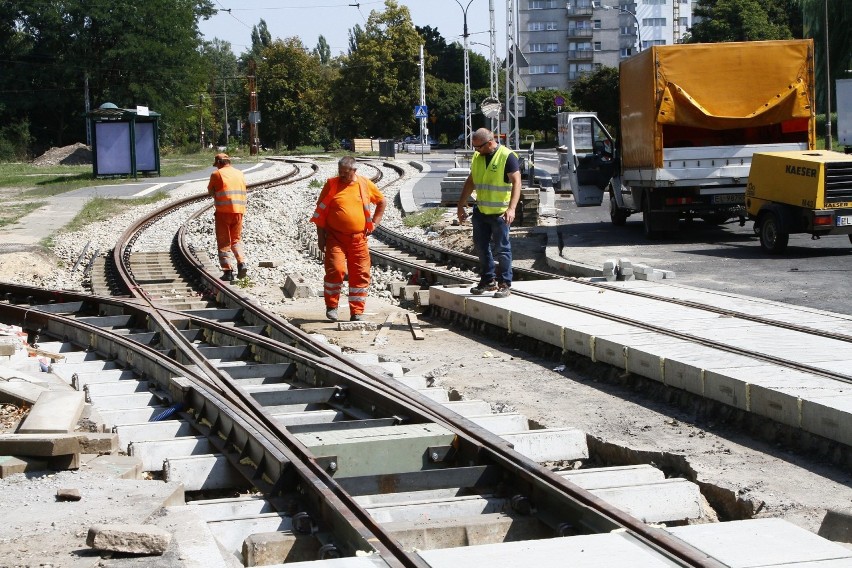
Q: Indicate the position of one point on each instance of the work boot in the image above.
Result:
(357, 317)
(227, 276)
(242, 271)
(503, 291)
(484, 287)
(331, 314)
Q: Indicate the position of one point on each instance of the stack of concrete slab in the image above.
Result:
(452, 185)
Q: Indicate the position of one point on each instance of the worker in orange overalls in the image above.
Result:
(228, 188)
(343, 221)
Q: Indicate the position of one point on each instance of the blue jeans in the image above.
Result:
(492, 231)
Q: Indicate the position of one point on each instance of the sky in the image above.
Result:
(308, 19)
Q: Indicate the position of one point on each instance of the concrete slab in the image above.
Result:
(154, 453)
(466, 531)
(436, 509)
(473, 407)
(668, 500)
(115, 388)
(107, 376)
(124, 402)
(504, 423)
(148, 431)
(589, 551)
(550, 444)
(309, 417)
(232, 533)
(115, 467)
(761, 542)
(231, 508)
(111, 418)
(437, 394)
(829, 416)
(54, 412)
(617, 476)
(202, 472)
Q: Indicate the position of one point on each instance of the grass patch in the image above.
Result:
(11, 212)
(46, 181)
(423, 219)
(101, 209)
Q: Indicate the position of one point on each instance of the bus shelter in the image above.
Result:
(125, 142)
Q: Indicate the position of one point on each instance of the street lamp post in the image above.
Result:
(468, 127)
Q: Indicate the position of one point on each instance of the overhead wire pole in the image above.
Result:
(468, 122)
(254, 146)
(828, 86)
(492, 33)
(512, 76)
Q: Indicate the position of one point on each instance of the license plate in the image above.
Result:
(729, 198)
(844, 221)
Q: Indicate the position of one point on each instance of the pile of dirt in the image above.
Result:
(74, 155)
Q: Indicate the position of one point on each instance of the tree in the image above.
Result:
(290, 93)
(378, 84)
(598, 92)
(541, 111)
(260, 38)
(737, 20)
(132, 54)
(223, 82)
(323, 50)
(839, 43)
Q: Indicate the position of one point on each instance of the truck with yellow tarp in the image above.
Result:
(691, 117)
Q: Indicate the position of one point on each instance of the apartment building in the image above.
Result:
(563, 40)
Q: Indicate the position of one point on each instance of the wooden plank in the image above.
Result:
(415, 326)
(382, 337)
(42, 352)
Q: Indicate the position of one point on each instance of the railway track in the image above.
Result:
(335, 457)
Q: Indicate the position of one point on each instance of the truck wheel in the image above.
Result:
(772, 239)
(616, 215)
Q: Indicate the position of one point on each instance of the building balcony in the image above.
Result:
(574, 75)
(584, 54)
(580, 32)
(574, 11)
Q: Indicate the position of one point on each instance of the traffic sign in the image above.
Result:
(559, 101)
(420, 111)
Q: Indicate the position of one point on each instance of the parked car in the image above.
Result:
(346, 144)
(459, 141)
(416, 140)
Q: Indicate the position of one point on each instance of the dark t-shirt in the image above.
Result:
(512, 164)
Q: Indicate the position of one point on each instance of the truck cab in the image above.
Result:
(587, 157)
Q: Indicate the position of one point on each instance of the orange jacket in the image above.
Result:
(331, 189)
(228, 187)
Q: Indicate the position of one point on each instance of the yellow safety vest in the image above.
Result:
(493, 192)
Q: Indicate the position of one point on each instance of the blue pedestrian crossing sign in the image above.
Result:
(420, 111)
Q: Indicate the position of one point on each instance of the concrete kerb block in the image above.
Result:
(409, 292)
(396, 288)
(295, 286)
(610, 270)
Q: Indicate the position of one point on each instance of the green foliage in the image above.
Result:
(133, 53)
(315, 183)
(598, 92)
(15, 141)
(541, 112)
(423, 219)
(738, 20)
(378, 83)
(293, 93)
(839, 17)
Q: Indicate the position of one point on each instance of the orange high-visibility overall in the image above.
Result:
(228, 187)
(344, 214)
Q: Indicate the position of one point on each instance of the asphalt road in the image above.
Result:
(812, 273)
